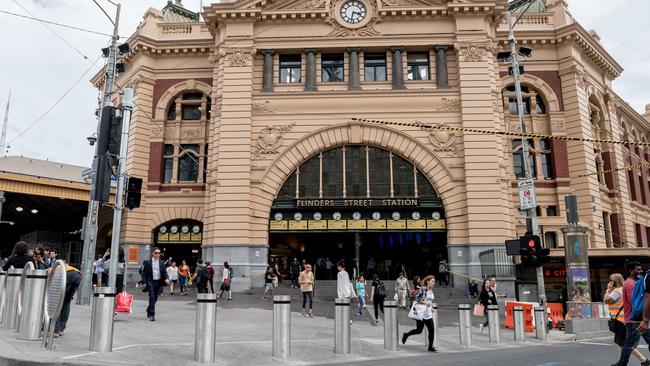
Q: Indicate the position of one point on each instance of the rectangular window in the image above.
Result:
(607, 229)
(546, 158)
(550, 239)
(643, 199)
(403, 184)
(379, 169)
(639, 239)
(288, 189)
(512, 106)
(310, 178)
(332, 68)
(518, 159)
(551, 211)
(375, 67)
(355, 171)
(190, 112)
(417, 66)
(290, 68)
(167, 171)
(631, 185)
(188, 168)
(169, 149)
(333, 173)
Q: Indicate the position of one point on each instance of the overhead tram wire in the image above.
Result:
(23, 132)
(55, 23)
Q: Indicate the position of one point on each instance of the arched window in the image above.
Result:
(356, 171)
(532, 101)
(190, 106)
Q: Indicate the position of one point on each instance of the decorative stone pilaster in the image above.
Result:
(267, 80)
(354, 80)
(310, 75)
(398, 69)
(442, 75)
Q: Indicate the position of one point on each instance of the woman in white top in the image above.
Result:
(343, 286)
(172, 275)
(424, 299)
(225, 284)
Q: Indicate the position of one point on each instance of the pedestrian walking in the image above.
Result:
(52, 257)
(473, 288)
(294, 270)
(402, 290)
(19, 257)
(443, 268)
(183, 277)
(370, 267)
(172, 275)
(39, 257)
(329, 267)
(485, 298)
(154, 276)
(226, 274)
(269, 276)
(422, 312)
(306, 281)
(208, 266)
(343, 286)
(73, 280)
(634, 329)
(360, 286)
(378, 295)
(200, 277)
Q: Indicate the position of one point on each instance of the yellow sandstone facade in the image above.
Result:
(230, 109)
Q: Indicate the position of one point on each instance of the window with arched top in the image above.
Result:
(532, 101)
(189, 106)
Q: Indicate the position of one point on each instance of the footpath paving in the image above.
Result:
(244, 331)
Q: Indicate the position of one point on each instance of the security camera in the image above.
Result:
(91, 140)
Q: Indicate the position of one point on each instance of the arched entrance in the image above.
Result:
(362, 204)
(180, 240)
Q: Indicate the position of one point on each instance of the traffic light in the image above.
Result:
(133, 192)
(531, 251)
(102, 187)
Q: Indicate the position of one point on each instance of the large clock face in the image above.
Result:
(353, 11)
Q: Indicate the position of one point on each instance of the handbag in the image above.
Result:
(614, 324)
(353, 293)
(479, 309)
(417, 311)
(123, 302)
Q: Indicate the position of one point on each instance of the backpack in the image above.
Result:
(203, 275)
(210, 272)
(232, 272)
(381, 290)
(638, 296)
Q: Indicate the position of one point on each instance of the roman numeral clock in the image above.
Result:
(353, 17)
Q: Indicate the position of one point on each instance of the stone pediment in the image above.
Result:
(322, 4)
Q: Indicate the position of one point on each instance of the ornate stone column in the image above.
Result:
(354, 79)
(267, 81)
(398, 69)
(442, 77)
(310, 74)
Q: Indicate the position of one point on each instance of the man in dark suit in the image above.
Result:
(155, 277)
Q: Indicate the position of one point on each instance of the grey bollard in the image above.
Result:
(33, 307)
(465, 324)
(342, 325)
(436, 334)
(518, 316)
(540, 323)
(391, 328)
(205, 333)
(3, 277)
(282, 327)
(101, 321)
(493, 323)
(12, 287)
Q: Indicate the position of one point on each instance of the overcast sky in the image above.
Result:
(40, 67)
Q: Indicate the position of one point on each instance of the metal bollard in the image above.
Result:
(465, 324)
(3, 277)
(205, 333)
(282, 326)
(540, 323)
(101, 323)
(342, 326)
(12, 288)
(436, 334)
(33, 305)
(391, 327)
(493, 323)
(518, 316)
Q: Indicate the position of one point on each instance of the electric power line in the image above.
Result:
(55, 23)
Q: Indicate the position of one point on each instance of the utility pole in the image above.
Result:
(532, 222)
(90, 225)
(3, 139)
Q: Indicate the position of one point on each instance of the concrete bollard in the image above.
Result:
(205, 331)
(518, 316)
(465, 324)
(540, 323)
(391, 327)
(282, 327)
(436, 334)
(342, 326)
(493, 323)
(12, 288)
(101, 321)
(33, 305)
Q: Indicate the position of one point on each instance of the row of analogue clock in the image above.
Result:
(415, 215)
(184, 229)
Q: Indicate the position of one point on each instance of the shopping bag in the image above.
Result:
(479, 310)
(417, 311)
(353, 294)
(123, 302)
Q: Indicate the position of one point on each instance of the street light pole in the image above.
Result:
(90, 226)
(532, 214)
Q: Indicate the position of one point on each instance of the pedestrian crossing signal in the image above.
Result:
(133, 192)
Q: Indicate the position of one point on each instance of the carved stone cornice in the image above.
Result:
(474, 51)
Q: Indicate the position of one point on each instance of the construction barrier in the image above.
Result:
(529, 323)
(555, 313)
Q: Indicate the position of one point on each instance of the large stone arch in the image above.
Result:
(172, 92)
(164, 214)
(401, 143)
(545, 90)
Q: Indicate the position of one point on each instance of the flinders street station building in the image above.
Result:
(270, 129)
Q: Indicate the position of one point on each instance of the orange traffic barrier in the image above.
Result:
(529, 325)
(555, 313)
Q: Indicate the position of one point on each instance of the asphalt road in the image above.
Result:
(592, 353)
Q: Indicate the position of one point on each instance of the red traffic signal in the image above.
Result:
(531, 243)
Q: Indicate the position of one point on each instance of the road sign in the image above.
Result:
(527, 199)
(87, 173)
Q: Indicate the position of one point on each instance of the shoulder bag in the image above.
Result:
(613, 324)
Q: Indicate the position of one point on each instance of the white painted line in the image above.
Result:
(79, 355)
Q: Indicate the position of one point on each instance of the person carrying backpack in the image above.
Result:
(201, 277)
(210, 269)
(378, 295)
(635, 289)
